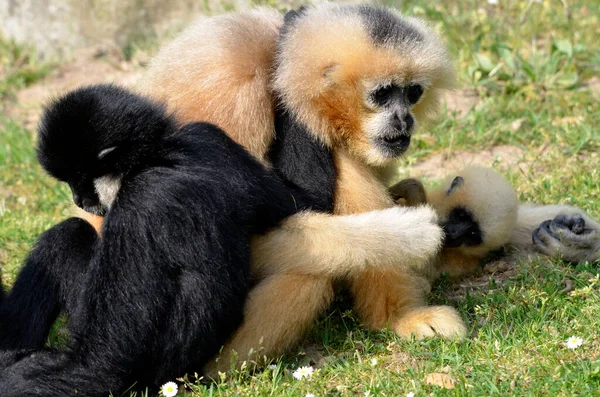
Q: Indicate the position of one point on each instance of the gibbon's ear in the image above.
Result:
(456, 183)
(328, 73)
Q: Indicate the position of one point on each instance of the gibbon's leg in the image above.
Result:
(397, 300)
(278, 312)
(394, 298)
(559, 231)
(49, 282)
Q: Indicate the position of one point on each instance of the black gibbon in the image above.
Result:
(164, 287)
(360, 79)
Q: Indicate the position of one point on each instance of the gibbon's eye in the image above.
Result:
(413, 93)
(382, 95)
(103, 153)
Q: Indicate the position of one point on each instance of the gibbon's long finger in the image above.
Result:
(312, 243)
(411, 190)
(570, 224)
(531, 217)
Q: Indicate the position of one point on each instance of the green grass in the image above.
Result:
(529, 65)
(19, 67)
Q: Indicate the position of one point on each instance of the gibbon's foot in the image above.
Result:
(431, 321)
(569, 238)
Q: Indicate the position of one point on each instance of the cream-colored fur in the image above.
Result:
(320, 244)
(493, 203)
(220, 70)
(328, 61)
(504, 221)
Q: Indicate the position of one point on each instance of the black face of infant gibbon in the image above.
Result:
(461, 229)
(99, 154)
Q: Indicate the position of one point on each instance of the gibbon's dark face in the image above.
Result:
(391, 129)
(461, 229)
(92, 136)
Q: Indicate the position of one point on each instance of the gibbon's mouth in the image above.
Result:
(394, 145)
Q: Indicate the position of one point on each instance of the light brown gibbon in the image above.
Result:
(359, 79)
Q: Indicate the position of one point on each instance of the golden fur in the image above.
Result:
(218, 71)
(209, 74)
(328, 62)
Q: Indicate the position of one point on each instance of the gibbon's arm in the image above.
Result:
(557, 231)
(313, 243)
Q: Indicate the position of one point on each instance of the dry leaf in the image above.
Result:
(439, 379)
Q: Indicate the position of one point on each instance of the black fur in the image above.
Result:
(385, 27)
(34, 303)
(461, 229)
(305, 164)
(167, 280)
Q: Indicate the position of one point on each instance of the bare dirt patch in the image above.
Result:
(440, 164)
(461, 101)
(92, 65)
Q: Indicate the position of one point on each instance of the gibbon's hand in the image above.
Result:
(569, 238)
(410, 190)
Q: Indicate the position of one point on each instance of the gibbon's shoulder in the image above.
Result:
(218, 70)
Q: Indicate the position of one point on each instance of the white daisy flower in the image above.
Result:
(492, 1)
(303, 372)
(574, 342)
(169, 389)
(411, 394)
(373, 362)
(310, 395)
(272, 367)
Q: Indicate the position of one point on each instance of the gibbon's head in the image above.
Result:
(478, 210)
(361, 77)
(91, 137)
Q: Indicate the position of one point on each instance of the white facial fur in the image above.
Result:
(107, 188)
(376, 126)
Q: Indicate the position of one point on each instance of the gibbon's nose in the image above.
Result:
(403, 122)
